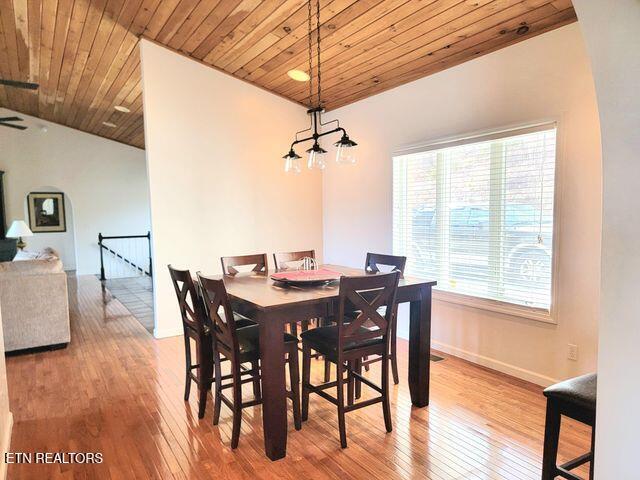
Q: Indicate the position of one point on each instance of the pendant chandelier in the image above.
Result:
(317, 155)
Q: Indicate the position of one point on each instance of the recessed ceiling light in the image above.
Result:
(109, 124)
(298, 75)
(122, 109)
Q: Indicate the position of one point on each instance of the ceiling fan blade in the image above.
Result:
(10, 119)
(19, 127)
(14, 83)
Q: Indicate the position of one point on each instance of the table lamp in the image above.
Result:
(19, 229)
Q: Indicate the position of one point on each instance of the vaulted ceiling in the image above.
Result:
(84, 53)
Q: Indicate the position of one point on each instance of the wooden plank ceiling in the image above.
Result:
(84, 53)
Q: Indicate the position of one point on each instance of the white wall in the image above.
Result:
(611, 31)
(216, 178)
(105, 184)
(545, 77)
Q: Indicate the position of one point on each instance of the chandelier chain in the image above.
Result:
(317, 129)
(310, 59)
(318, 46)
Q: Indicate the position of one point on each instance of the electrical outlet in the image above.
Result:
(572, 352)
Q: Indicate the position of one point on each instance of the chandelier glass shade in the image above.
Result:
(317, 156)
(316, 160)
(346, 154)
(292, 162)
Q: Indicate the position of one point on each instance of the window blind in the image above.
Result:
(477, 215)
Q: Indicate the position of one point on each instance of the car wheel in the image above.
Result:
(531, 267)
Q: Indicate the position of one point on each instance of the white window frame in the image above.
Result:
(532, 313)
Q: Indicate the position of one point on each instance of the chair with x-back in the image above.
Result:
(345, 344)
(195, 328)
(240, 345)
(376, 263)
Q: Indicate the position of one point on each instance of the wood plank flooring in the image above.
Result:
(118, 391)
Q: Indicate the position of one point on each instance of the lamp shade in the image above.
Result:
(19, 229)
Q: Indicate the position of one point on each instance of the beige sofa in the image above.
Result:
(34, 302)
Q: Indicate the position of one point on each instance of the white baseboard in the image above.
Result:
(168, 332)
(494, 364)
(6, 444)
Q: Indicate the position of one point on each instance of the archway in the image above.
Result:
(610, 29)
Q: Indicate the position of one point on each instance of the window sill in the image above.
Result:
(531, 313)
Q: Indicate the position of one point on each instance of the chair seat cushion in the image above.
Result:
(249, 339)
(325, 339)
(579, 391)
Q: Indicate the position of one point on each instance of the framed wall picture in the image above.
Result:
(46, 212)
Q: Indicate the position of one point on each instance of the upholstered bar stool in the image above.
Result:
(574, 398)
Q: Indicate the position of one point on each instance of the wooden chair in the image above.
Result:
(345, 344)
(283, 260)
(373, 263)
(375, 260)
(259, 260)
(240, 346)
(574, 398)
(194, 326)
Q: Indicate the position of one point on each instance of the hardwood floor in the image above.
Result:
(118, 391)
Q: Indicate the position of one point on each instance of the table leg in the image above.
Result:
(420, 348)
(274, 406)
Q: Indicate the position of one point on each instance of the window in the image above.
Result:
(477, 215)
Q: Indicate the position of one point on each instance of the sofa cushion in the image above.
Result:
(46, 254)
(32, 267)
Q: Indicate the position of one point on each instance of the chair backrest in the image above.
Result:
(365, 295)
(190, 303)
(375, 260)
(281, 260)
(259, 260)
(220, 313)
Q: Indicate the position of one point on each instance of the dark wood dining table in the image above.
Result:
(273, 305)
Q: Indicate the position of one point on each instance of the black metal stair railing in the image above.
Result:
(135, 265)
